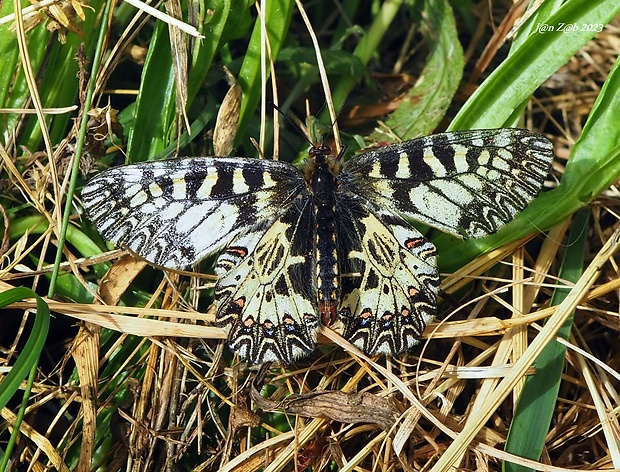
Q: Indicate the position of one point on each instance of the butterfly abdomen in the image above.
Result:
(323, 185)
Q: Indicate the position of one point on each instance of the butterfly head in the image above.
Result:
(321, 156)
(320, 152)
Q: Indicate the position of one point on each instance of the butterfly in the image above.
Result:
(301, 247)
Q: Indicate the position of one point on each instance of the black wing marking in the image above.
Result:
(175, 212)
(466, 183)
(266, 294)
(389, 282)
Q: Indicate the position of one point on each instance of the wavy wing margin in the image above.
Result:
(173, 213)
(466, 183)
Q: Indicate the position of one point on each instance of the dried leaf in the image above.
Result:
(119, 277)
(227, 119)
(338, 406)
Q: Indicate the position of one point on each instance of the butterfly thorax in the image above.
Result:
(323, 185)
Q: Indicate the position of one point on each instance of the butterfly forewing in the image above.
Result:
(466, 183)
(173, 213)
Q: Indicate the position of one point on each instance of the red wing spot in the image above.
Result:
(411, 243)
(240, 302)
(328, 312)
(387, 316)
(413, 291)
(249, 322)
(268, 324)
(404, 311)
(366, 313)
(239, 251)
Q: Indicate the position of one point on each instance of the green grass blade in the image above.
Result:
(14, 87)
(197, 127)
(68, 285)
(594, 163)
(57, 67)
(10, 55)
(277, 18)
(367, 47)
(536, 406)
(33, 347)
(226, 20)
(29, 357)
(427, 102)
(155, 114)
(155, 110)
(537, 58)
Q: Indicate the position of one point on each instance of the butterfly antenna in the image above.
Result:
(297, 124)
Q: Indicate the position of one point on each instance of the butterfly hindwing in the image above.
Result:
(175, 212)
(266, 294)
(466, 183)
(389, 280)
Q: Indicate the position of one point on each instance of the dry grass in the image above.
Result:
(157, 387)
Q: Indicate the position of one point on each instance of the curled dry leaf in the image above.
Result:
(242, 418)
(338, 406)
(5, 237)
(119, 277)
(227, 118)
